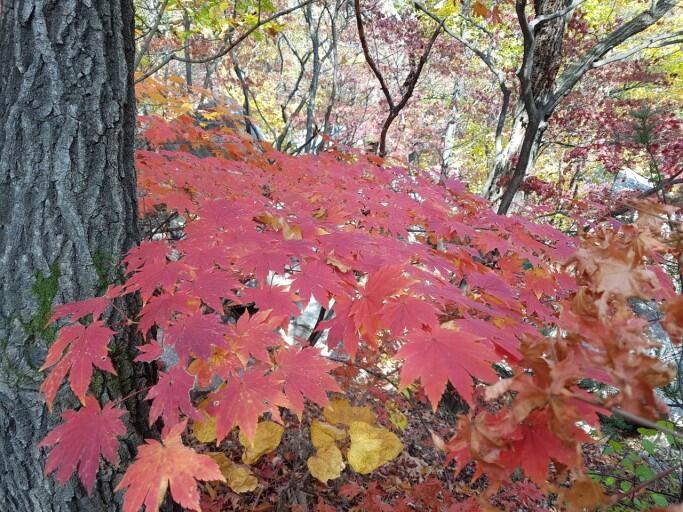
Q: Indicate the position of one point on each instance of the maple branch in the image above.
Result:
(644, 422)
(653, 42)
(224, 51)
(409, 84)
(421, 64)
(664, 184)
(634, 26)
(165, 222)
(629, 416)
(315, 133)
(499, 75)
(368, 57)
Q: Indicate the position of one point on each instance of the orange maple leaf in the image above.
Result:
(169, 463)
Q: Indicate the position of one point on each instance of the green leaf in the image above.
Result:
(659, 500)
(648, 446)
(648, 432)
(610, 480)
(616, 446)
(625, 486)
(644, 472)
(627, 463)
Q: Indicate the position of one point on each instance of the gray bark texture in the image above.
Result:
(544, 58)
(68, 211)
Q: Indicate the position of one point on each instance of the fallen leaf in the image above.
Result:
(238, 477)
(267, 439)
(204, 430)
(326, 464)
(371, 447)
(340, 411)
(323, 434)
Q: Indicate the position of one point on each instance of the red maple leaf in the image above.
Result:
(81, 439)
(407, 312)
(316, 279)
(77, 310)
(77, 350)
(159, 465)
(276, 298)
(444, 355)
(243, 399)
(160, 308)
(305, 375)
(171, 397)
(212, 286)
(195, 335)
(536, 445)
(253, 335)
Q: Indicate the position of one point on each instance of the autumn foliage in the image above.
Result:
(411, 273)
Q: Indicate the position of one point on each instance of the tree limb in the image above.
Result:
(144, 47)
(368, 57)
(223, 51)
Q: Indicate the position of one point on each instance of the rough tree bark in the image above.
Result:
(544, 58)
(68, 212)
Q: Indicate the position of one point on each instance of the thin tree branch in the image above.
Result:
(637, 24)
(226, 49)
(144, 47)
(563, 12)
(643, 485)
(653, 42)
(368, 57)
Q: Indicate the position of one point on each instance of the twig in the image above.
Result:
(148, 38)
(643, 485)
(223, 51)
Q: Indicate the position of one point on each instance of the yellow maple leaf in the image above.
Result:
(371, 447)
(267, 439)
(239, 478)
(204, 430)
(340, 411)
(326, 464)
(323, 434)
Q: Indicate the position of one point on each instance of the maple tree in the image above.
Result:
(405, 268)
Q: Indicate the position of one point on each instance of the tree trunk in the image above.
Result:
(69, 211)
(502, 164)
(546, 61)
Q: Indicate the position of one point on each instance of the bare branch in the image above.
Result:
(368, 57)
(653, 42)
(148, 38)
(498, 74)
(563, 12)
(640, 22)
(223, 51)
